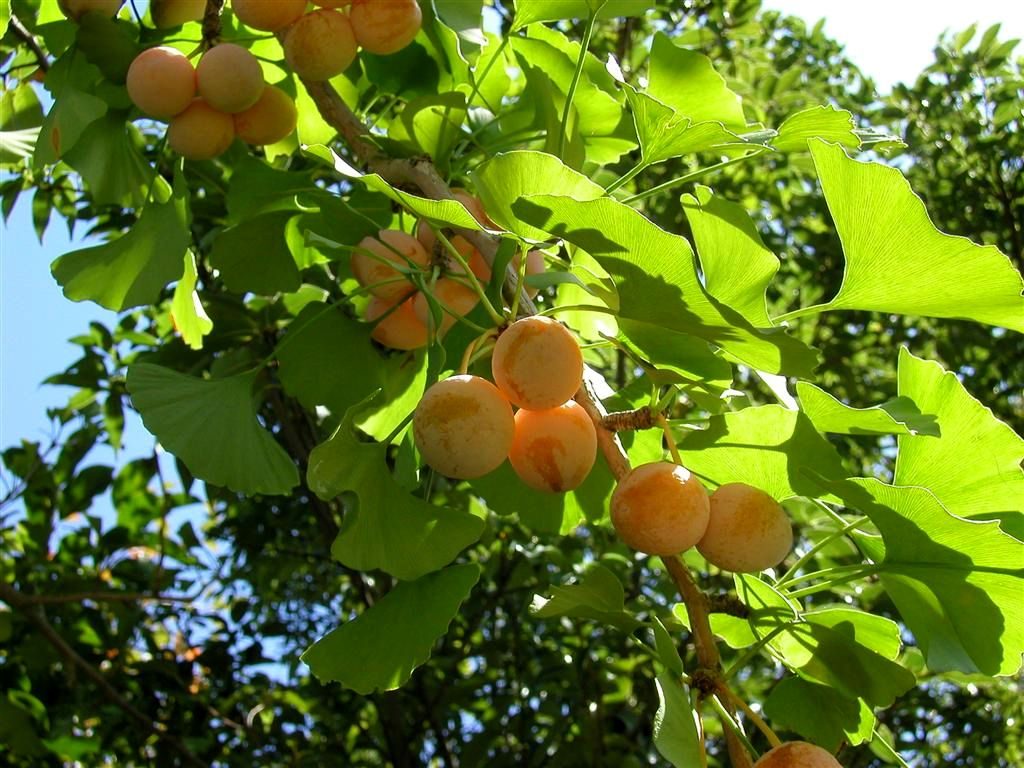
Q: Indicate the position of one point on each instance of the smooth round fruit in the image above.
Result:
(200, 132)
(174, 13)
(320, 45)
(401, 329)
(385, 26)
(456, 296)
(537, 363)
(268, 120)
(660, 509)
(463, 427)
(472, 204)
(75, 9)
(332, 3)
(270, 15)
(748, 531)
(230, 78)
(554, 450)
(797, 754)
(161, 82)
(370, 270)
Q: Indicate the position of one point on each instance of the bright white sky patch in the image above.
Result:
(892, 40)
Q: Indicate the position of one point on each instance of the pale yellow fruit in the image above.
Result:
(75, 9)
(320, 45)
(161, 82)
(385, 26)
(463, 427)
(370, 270)
(200, 132)
(452, 295)
(229, 78)
(554, 450)
(174, 13)
(269, 120)
(537, 363)
(401, 329)
(797, 754)
(660, 509)
(748, 531)
(332, 3)
(270, 15)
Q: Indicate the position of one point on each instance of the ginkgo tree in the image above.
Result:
(302, 311)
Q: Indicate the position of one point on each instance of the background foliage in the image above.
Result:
(251, 575)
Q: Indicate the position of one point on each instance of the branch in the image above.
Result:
(35, 616)
(26, 37)
(624, 421)
(101, 597)
(211, 23)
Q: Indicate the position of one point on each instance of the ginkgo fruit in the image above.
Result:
(463, 427)
(456, 300)
(554, 450)
(174, 13)
(200, 132)
(748, 531)
(268, 15)
(161, 82)
(537, 363)
(385, 26)
(320, 45)
(269, 120)
(75, 9)
(399, 329)
(797, 754)
(660, 508)
(375, 258)
(230, 78)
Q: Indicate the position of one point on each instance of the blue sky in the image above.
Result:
(891, 40)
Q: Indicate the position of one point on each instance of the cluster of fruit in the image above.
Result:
(207, 106)
(323, 43)
(464, 426)
(661, 508)
(402, 314)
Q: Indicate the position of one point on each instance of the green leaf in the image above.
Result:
(899, 416)
(665, 133)
(675, 732)
(975, 465)
(532, 11)
(18, 731)
(667, 649)
(409, 72)
(71, 83)
(737, 266)
(21, 117)
(598, 596)
(319, 352)
(132, 270)
(379, 649)
(957, 583)
(108, 43)
(464, 17)
(187, 311)
(819, 713)
(109, 160)
(825, 122)
(504, 179)
(259, 188)
(434, 123)
(897, 261)
(211, 426)
(15, 145)
(254, 256)
(877, 633)
(657, 279)
(687, 82)
(5, 16)
(385, 527)
(766, 447)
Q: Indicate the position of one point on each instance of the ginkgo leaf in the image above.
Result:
(687, 82)
(824, 122)
(532, 11)
(675, 731)
(899, 416)
(657, 279)
(974, 466)
(897, 261)
(187, 313)
(131, 270)
(379, 649)
(430, 535)
(737, 266)
(210, 424)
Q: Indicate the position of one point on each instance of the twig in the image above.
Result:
(625, 421)
(35, 616)
(211, 23)
(101, 597)
(27, 38)
(755, 718)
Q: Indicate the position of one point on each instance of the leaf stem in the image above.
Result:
(496, 317)
(672, 448)
(693, 176)
(587, 34)
(755, 718)
(731, 725)
(819, 546)
(626, 177)
(802, 312)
